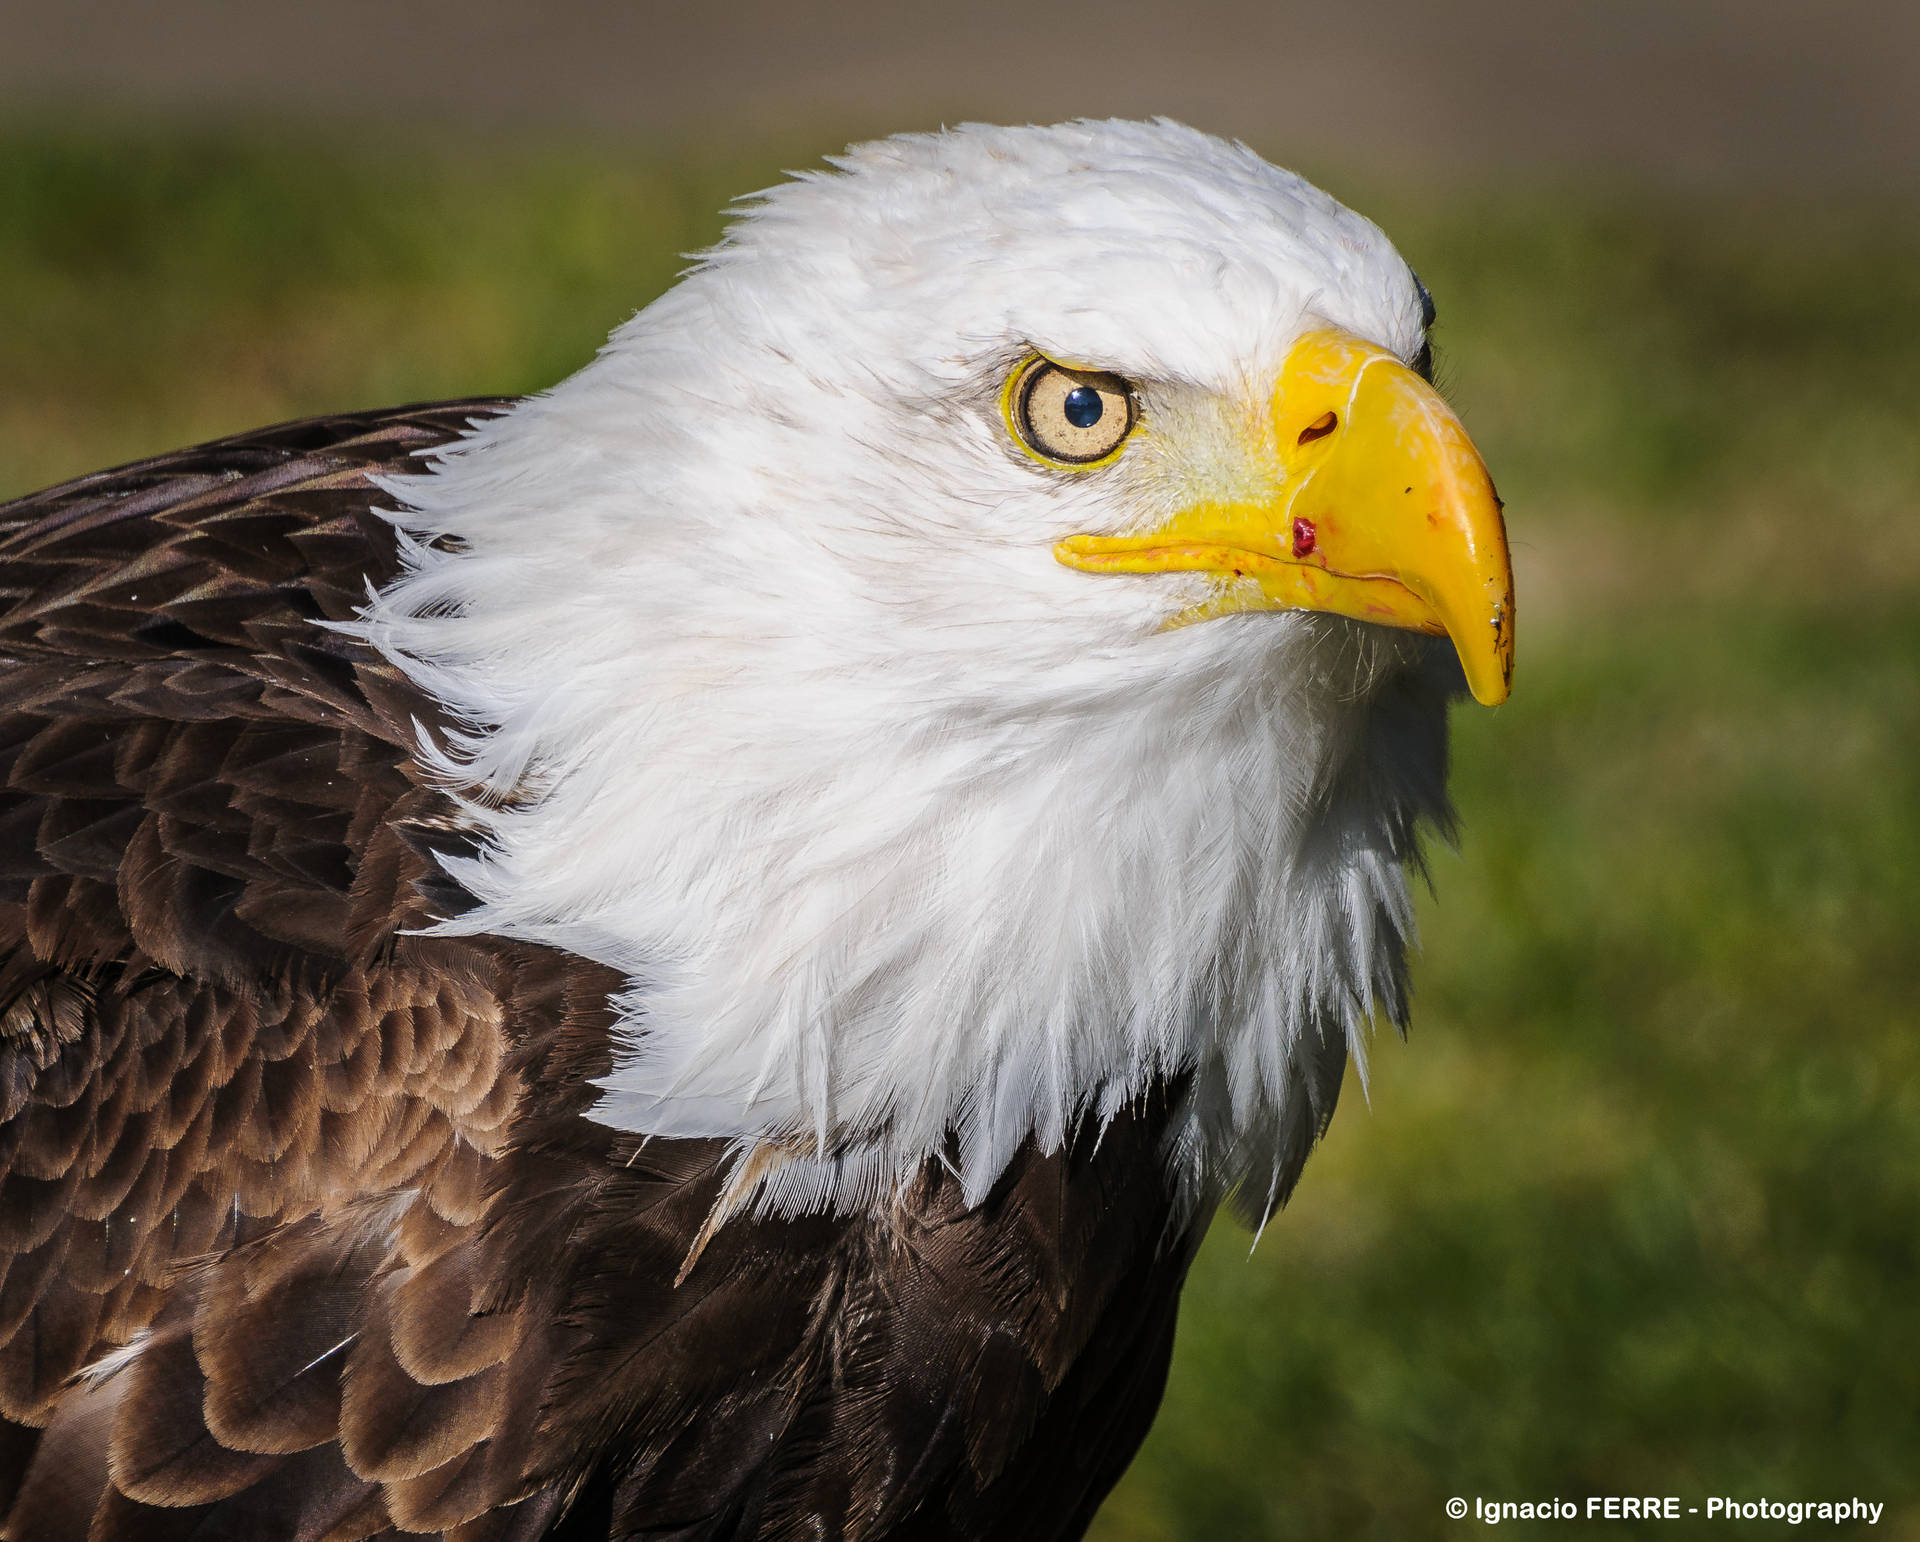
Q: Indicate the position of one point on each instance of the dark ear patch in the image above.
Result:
(1423, 360)
(1427, 312)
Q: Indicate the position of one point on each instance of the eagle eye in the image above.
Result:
(1071, 417)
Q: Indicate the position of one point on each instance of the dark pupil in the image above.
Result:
(1083, 407)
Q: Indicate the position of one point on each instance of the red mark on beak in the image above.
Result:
(1304, 536)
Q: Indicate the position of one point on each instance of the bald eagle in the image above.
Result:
(690, 956)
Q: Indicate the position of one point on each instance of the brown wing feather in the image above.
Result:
(304, 1231)
(210, 835)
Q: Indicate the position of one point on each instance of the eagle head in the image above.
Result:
(975, 649)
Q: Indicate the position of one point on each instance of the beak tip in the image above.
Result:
(1490, 679)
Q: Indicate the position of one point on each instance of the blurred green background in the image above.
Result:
(1636, 1210)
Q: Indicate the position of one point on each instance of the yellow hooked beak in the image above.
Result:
(1380, 509)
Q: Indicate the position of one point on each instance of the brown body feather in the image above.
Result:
(304, 1231)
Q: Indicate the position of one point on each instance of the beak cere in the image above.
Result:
(1380, 509)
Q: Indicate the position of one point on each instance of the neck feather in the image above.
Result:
(886, 887)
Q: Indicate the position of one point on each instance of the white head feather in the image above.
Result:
(898, 826)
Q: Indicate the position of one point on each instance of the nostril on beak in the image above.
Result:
(1319, 428)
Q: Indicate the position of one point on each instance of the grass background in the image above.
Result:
(1637, 1208)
